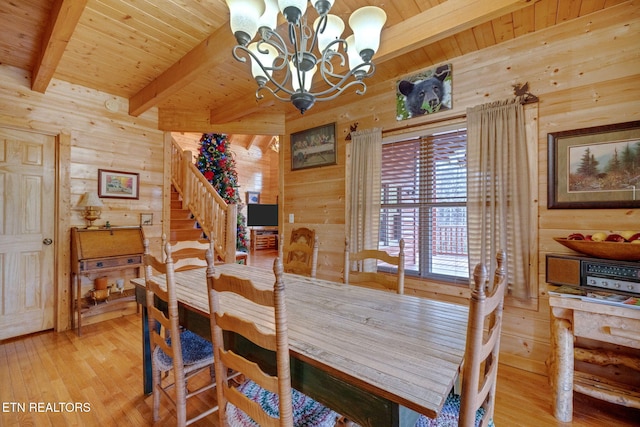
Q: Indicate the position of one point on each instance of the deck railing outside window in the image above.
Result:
(423, 200)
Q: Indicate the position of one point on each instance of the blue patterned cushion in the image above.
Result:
(194, 349)
(306, 411)
(450, 415)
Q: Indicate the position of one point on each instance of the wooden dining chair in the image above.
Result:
(301, 257)
(262, 399)
(475, 405)
(188, 254)
(360, 268)
(193, 355)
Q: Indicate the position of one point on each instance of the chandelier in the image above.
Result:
(285, 69)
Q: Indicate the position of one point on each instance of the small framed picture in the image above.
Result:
(253, 197)
(314, 147)
(146, 219)
(118, 185)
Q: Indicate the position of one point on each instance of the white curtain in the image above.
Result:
(498, 187)
(363, 221)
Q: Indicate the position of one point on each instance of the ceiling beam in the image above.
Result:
(241, 107)
(439, 22)
(64, 17)
(258, 123)
(210, 52)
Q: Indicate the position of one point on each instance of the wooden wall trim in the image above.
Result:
(62, 284)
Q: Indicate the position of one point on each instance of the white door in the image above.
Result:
(27, 218)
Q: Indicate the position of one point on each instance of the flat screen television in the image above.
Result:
(262, 215)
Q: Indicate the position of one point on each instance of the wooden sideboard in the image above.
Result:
(264, 238)
(113, 252)
(617, 328)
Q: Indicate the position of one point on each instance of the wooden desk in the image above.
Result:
(373, 356)
(571, 318)
(98, 253)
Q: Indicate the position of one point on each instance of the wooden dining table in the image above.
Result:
(378, 358)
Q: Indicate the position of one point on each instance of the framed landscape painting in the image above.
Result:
(597, 167)
(118, 185)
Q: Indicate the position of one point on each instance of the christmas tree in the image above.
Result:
(218, 166)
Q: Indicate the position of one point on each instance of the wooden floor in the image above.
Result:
(61, 379)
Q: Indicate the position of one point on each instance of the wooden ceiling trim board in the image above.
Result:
(483, 34)
(184, 24)
(213, 50)
(545, 13)
(150, 29)
(65, 15)
(241, 106)
(260, 123)
(18, 48)
(252, 141)
(184, 120)
(439, 22)
(568, 9)
(523, 22)
(503, 28)
(267, 143)
(588, 6)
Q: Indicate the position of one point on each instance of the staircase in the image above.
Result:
(194, 200)
(182, 224)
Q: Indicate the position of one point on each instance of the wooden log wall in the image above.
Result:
(586, 73)
(90, 138)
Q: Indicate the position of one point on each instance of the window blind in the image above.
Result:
(423, 201)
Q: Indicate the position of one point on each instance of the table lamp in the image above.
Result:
(91, 204)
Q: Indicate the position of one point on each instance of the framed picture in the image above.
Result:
(146, 219)
(597, 167)
(314, 147)
(253, 197)
(118, 185)
(424, 93)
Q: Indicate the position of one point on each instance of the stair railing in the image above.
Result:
(216, 217)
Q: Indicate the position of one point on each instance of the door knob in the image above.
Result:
(47, 241)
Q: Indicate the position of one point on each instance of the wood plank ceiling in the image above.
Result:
(176, 54)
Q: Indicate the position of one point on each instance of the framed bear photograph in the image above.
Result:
(424, 93)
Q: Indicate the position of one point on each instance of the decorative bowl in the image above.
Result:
(620, 251)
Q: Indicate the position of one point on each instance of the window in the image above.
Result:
(423, 200)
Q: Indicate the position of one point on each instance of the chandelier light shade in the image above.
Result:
(286, 68)
(366, 24)
(243, 17)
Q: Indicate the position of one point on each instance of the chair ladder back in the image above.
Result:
(302, 235)
(222, 321)
(355, 265)
(302, 258)
(161, 323)
(188, 254)
(483, 344)
(166, 321)
(300, 255)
